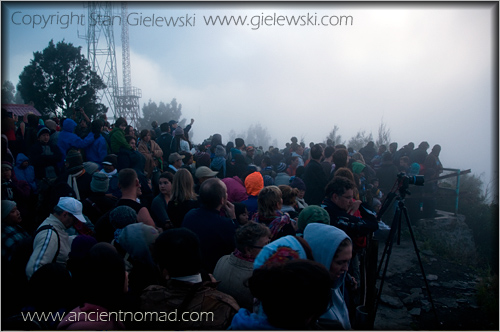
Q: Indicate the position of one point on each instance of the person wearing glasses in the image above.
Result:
(235, 269)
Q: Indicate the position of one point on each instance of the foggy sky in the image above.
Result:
(427, 71)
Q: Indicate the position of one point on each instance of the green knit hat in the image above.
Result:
(313, 214)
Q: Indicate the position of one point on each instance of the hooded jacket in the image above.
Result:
(324, 241)
(25, 174)
(68, 139)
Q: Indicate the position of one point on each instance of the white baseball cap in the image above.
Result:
(73, 206)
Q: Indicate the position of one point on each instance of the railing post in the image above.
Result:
(457, 190)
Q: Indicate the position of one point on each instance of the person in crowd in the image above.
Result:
(296, 182)
(109, 169)
(51, 242)
(156, 129)
(97, 203)
(281, 307)
(130, 187)
(311, 214)
(183, 198)
(179, 142)
(327, 162)
(68, 139)
(216, 232)
(75, 175)
(241, 213)
(160, 202)
(340, 159)
(151, 152)
(218, 163)
(332, 248)
(83, 121)
(232, 271)
(289, 196)
(368, 151)
(12, 188)
(282, 178)
(269, 213)
(298, 151)
(45, 156)
(249, 156)
(105, 286)
(179, 256)
(420, 154)
(341, 207)
(131, 158)
(315, 178)
(254, 183)
(130, 131)
(387, 173)
(239, 147)
(377, 159)
(267, 168)
(98, 150)
(25, 172)
(432, 169)
(117, 137)
(202, 174)
(164, 139)
(175, 162)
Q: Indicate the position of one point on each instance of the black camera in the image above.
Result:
(405, 180)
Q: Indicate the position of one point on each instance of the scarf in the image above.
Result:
(275, 223)
(72, 182)
(240, 255)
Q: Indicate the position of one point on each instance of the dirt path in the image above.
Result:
(405, 304)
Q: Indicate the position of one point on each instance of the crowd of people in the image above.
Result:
(101, 218)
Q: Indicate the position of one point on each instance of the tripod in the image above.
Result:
(396, 227)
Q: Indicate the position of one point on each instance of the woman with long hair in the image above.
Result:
(269, 213)
(151, 151)
(183, 197)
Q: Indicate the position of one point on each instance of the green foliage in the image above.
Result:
(384, 135)
(360, 140)
(163, 112)
(487, 294)
(61, 77)
(481, 217)
(334, 136)
(258, 136)
(8, 92)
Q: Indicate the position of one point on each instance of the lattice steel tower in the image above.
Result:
(122, 101)
(127, 97)
(101, 50)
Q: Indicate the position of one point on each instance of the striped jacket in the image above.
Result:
(45, 246)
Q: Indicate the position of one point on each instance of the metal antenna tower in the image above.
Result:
(122, 101)
(127, 97)
(101, 50)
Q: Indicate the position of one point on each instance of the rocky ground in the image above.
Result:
(453, 287)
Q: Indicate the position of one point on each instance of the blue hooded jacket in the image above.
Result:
(27, 174)
(324, 241)
(67, 139)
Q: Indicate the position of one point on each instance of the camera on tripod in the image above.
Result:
(404, 180)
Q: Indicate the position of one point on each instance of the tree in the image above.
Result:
(384, 135)
(360, 140)
(60, 77)
(160, 113)
(8, 91)
(334, 136)
(258, 136)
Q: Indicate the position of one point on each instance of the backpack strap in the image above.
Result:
(50, 227)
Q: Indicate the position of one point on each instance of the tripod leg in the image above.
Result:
(396, 224)
(396, 221)
(420, 262)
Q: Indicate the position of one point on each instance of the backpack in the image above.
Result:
(58, 239)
